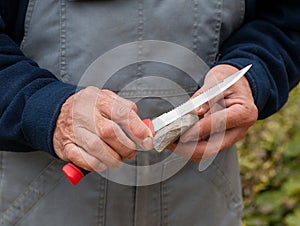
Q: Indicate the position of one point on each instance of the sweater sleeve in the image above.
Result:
(30, 100)
(270, 41)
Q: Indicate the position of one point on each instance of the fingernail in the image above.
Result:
(151, 134)
(147, 143)
(200, 109)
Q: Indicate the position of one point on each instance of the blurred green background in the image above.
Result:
(270, 168)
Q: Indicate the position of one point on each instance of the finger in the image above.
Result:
(206, 149)
(191, 150)
(113, 98)
(211, 123)
(235, 116)
(114, 136)
(219, 142)
(93, 145)
(124, 113)
(113, 106)
(138, 131)
(204, 108)
(82, 159)
(213, 77)
(132, 156)
(92, 103)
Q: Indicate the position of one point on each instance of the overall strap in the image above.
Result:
(35, 191)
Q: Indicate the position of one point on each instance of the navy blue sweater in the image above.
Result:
(31, 97)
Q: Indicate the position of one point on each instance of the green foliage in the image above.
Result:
(270, 168)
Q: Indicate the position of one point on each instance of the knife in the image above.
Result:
(75, 174)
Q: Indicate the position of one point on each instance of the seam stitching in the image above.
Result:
(27, 21)
(63, 37)
(195, 26)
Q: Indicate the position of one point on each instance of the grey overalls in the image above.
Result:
(66, 37)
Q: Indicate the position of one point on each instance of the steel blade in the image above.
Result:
(169, 117)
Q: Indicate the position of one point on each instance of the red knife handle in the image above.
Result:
(149, 124)
(74, 173)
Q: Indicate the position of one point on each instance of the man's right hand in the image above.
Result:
(97, 129)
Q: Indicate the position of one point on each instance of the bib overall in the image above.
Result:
(66, 36)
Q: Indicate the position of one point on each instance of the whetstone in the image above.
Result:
(172, 132)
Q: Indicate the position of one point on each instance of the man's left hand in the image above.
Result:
(225, 119)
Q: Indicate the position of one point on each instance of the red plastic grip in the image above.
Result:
(149, 124)
(73, 174)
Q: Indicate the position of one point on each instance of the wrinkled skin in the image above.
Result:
(97, 129)
(225, 119)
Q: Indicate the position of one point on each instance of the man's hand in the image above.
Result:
(97, 129)
(226, 118)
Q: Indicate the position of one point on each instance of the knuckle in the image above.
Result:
(108, 92)
(246, 114)
(124, 111)
(107, 131)
(119, 108)
(133, 107)
(127, 153)
(132, 156)
(115, 162)
(121, 112)
(72, 155)
(252, 115)
(101, 167)
(89, 91)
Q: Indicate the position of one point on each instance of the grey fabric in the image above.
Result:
(66, 37)
(36, 190)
